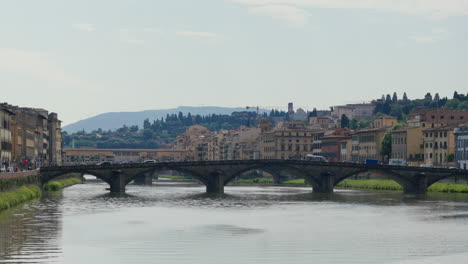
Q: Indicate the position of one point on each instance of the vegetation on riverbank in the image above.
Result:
(13, 183)
(390, 185)
(382, 185)
(255, 181)
(174, 177)
(386, 185)
(21, 195)
(60, 184)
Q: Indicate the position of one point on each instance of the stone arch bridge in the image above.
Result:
(216, 174)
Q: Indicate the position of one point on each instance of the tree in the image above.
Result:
(388, 99)
(450, 157)
(437, 97)
(387, 145)
(405, 98)
(456, 96)
(344, 121)
(147, 134)
(313, 113)
(394, 98)
(146, 124)
(428, 97)
(452, 104)
(354, 124)
(463, 105)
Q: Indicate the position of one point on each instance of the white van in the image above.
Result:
(397, 162)
(311, 157)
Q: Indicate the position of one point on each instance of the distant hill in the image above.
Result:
(116, 120)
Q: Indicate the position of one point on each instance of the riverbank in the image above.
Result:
(379, 185)
(28, 192)
(61, 184)
(15, 197)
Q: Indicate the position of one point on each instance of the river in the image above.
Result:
(178, 223)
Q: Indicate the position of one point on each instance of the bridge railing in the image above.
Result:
(14, 175)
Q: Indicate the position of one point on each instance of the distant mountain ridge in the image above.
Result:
(114, 120)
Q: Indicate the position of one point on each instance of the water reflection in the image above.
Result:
(30, 233)
(171, 223)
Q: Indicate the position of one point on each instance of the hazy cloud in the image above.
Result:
(432, 8)
(436, 34)
(198, 34)
(290, 14)
(126, 35)
(84, 27)
(35, 64)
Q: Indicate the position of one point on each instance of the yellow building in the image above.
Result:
(408, 144)
(384, 121)
(438, 143)
(290, 140)
(367, 144)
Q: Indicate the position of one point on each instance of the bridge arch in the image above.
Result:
(404, 182)
(275, 171)
(194, 174)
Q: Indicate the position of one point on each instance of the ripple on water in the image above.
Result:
(182, 224)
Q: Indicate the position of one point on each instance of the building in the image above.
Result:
(346, 148)
(290, 140)
(408, 144)
(54, 152)
(93, 156)
(324, 122)
(367, 144)
(331, 144)
(6, 143)
(437, 117)
(384, 121)
(439, 142)
(30, 137)
(299, 115)
(227, 144)
(353, 111)
(461, 146)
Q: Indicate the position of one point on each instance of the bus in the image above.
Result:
(311, 157)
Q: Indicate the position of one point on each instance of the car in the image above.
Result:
(124, 162)
(104, 163)
(149, 161)
(397, 162)
(316, 158)
(426, 166)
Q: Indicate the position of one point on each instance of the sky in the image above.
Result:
(83, 58)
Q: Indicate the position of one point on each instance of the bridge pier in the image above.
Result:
(117, 182)
(326, 184)
(215, 184)
(418, 185)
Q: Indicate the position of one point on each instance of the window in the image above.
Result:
(442, 117)
(452, 117)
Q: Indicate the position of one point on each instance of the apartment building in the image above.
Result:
(439, 142)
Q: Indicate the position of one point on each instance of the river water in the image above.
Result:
(179, 223)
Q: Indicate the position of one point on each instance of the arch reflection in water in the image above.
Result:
(30, 232)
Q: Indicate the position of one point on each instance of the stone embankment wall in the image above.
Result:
(13, 180)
